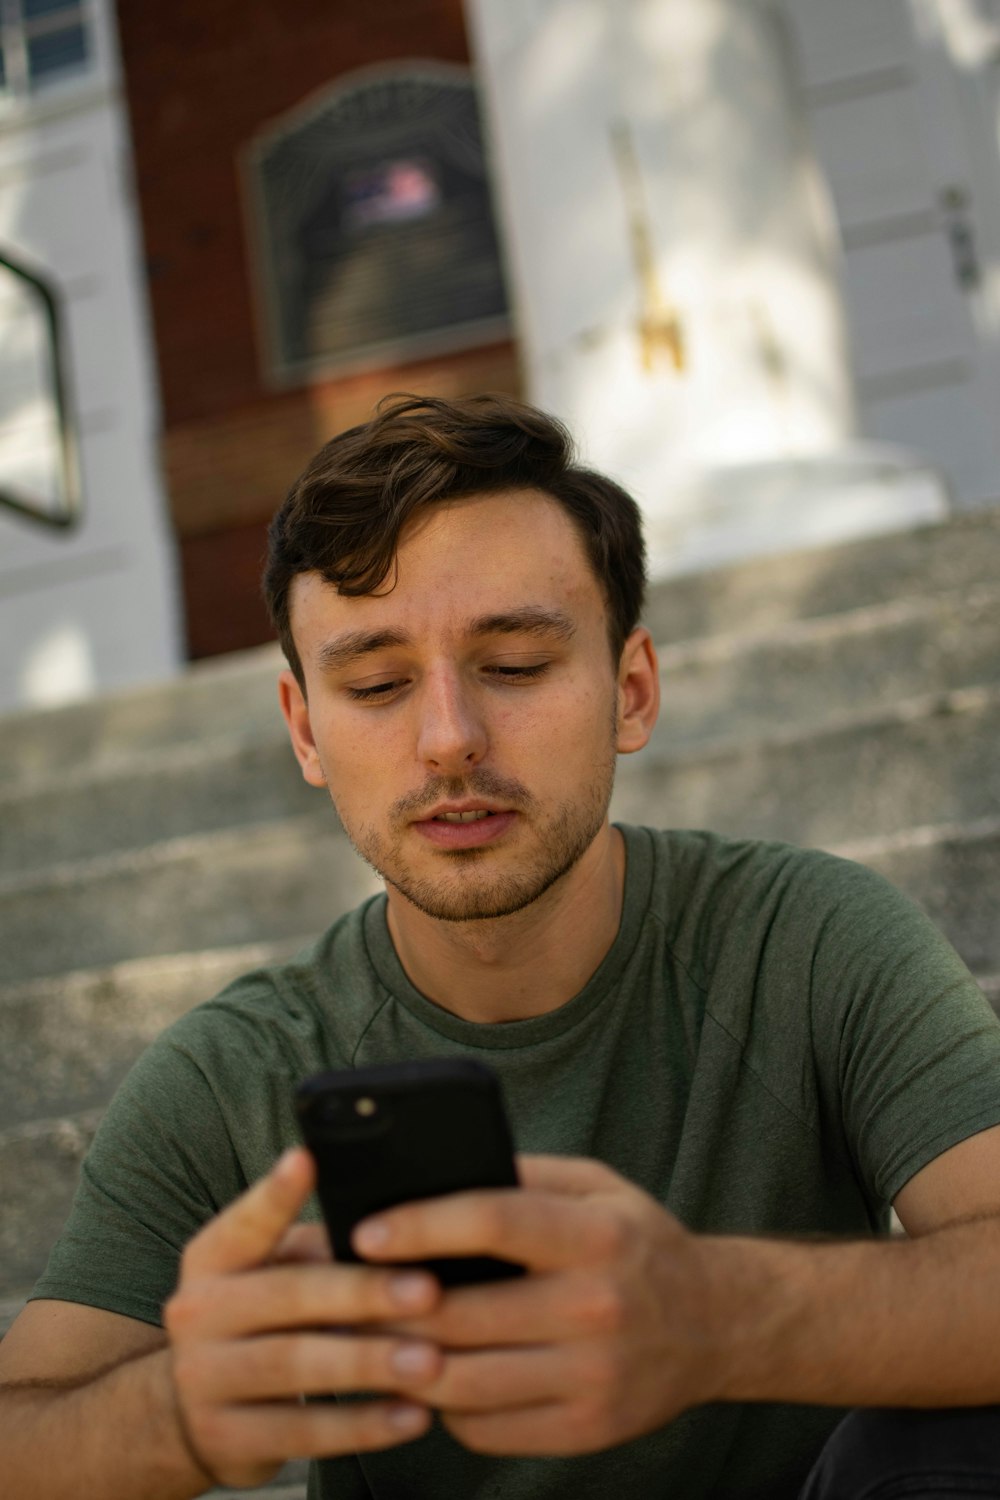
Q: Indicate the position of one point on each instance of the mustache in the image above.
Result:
(479, 783)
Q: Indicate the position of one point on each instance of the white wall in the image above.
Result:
(94, 608)
(674, 261)
(901, 102)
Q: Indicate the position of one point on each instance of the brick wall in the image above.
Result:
(202, 78)
(228, 474)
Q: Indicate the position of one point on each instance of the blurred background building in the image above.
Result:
(749, 249)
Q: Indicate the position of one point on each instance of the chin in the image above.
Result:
(486, 900)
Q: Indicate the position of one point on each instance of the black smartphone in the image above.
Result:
(390, 1134)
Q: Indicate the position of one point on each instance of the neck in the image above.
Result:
(511, 968)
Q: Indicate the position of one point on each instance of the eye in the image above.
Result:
(379, 691)
(519, 674)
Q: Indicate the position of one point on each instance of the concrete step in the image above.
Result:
(39, 1166)
(166, 793)
(953, 873)
(764, 593)
(925, 762)
(803, 675)
(235, 696)
(69, 1039)
(806, 672)
(231, 695)
(930, 760)
(266, 883)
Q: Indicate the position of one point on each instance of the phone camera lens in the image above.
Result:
(365, 1107)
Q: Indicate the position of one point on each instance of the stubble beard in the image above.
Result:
(465, 890)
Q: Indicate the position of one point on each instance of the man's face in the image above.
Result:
(465, 721)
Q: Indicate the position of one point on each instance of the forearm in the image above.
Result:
(908, 1322)
(116, 1436)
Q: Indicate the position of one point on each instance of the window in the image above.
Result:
(42, 42)
(374, 226)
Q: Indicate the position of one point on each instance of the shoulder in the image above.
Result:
(703, 880)
(211, 1097)
(313, 1005)
(229, 1067)
(753, 919)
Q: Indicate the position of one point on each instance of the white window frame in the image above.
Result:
(15, 33)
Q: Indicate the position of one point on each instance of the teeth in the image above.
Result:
(466, 817)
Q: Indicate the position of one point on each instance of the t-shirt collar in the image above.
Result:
(639, 860)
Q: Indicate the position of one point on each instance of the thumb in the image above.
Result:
(247, 1232)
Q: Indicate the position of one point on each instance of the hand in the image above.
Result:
(251, 1327)
(606, 1338)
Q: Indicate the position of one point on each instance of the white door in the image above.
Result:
(901, 100)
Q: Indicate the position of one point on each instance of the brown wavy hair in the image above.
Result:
(343, 516)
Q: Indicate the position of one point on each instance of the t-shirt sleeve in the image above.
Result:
(907, 1045)
(161, 1164)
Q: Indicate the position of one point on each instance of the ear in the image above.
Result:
(638, 691)
(296, 712)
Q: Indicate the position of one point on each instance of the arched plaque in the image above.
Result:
(375, 226)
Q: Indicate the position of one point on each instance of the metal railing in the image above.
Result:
(67, 511)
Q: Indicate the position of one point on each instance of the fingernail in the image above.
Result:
(373, 1234)
(283, 1166)
(411, 1290)
(412, 1359)
(407, 1418)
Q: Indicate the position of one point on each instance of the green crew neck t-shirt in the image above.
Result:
(775, 1043)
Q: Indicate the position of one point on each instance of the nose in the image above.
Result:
(451, 735)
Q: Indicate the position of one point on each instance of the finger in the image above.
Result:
(542, 1308)
(246, 1233)
(303, 1243)
(499, 1379)
(576, 1176)
(297, 1296)
(269, 1434)
(543, 1231)
(286, 1366)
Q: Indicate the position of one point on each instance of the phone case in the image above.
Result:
(388, 1135)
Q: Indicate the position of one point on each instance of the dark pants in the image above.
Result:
(919, 1455)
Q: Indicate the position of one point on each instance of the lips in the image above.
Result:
(465, 828)
(463, 817)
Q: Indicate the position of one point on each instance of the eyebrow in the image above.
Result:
(531, 620)
(344, 649)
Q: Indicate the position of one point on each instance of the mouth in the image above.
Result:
(465, 827)
(468, 811)
(475, 816)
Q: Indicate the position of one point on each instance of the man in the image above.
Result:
(724, 1060)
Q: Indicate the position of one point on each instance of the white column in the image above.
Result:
(673, 263)
(95, 608)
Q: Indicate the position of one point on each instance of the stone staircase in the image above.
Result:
(156, 844)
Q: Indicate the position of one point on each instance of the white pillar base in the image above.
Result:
(724, 515)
